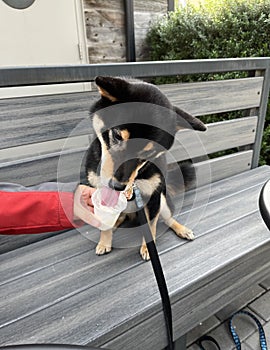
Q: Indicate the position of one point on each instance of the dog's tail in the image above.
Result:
(180, 177)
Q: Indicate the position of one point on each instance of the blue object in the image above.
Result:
(235, 336)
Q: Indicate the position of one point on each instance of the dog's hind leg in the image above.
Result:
(105, 242)
(181, 230)
(153, 227)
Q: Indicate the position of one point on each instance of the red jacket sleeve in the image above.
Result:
(40, 209)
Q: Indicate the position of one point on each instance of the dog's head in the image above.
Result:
(135, 124)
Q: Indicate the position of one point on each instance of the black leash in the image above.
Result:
(209, 339)
(156, 265)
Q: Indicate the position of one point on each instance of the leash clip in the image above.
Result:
(138, 196)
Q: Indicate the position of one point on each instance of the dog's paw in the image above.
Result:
(101, 249)
(185, 232)
(144, 253)
(182, 231)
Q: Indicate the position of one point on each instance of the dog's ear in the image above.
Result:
(114, 89)
(184, 118)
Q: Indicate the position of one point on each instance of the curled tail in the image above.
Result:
(180, 177)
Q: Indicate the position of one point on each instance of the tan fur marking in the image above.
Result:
(93, 179)
(105, 93)
(97, 124)
(181, 230)
(149, 147)
(129, 186)
(153, 227)
(135, 173)
(105, 242)
(125, 134)
(106, 163)
(150, 185)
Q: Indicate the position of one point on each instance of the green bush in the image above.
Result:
(216, 29)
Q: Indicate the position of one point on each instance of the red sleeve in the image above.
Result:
(35, 212)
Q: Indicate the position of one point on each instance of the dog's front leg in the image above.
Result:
(105, 242)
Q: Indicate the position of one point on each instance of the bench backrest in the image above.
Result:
(34, 129)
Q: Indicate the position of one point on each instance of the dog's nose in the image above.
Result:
(116, 185)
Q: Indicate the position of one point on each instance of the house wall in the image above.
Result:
(145, 12)
(105, 27)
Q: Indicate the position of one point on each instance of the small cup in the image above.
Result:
(108, 215)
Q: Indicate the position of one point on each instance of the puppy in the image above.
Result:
(135, 124)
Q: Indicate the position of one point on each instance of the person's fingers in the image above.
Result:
(83, 207)
(89, 218)
(87, 193)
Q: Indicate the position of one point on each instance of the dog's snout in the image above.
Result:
(116, 185)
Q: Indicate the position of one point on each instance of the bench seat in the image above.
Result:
(58, 291)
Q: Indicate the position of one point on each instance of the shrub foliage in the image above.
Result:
(215, 29)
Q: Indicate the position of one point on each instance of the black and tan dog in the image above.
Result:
(135, 124)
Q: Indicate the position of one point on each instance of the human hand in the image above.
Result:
(83, 208)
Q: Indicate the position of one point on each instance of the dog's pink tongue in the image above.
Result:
(109, 197)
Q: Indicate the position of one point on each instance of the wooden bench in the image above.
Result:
(54, 288)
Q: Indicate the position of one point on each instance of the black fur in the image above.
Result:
(136, 124)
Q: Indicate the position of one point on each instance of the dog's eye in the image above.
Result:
(116, 135)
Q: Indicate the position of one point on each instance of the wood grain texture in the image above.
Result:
(8, 243)
(70, 167)
(215, 96)
(23, 76)
(15, 155)
(38, 119)
(222, 167)
(77, 303)
(47, 161)
(42, 118)
(219, 136)
(48, 167)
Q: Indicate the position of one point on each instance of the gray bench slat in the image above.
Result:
(219, 136)
(215, 96)
(81, 300)
(43, 254)
(223, 188)
(59, 283)
(9, 243)
(191, 144)
(103, 309)
(222, 167)
(200, 218)
(42, 118)
(188, 310)
(21, 76)
(64, 168)
(15, 155)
